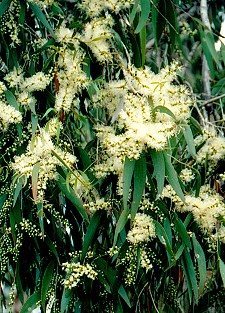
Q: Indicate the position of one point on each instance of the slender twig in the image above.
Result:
(212, 100)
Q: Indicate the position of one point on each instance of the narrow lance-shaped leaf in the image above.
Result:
(139, 184)
(31, 302)
(172, 176)
(70, 194)
(159, 169)
(191, 273)
(222, 271)
(181, 229)
(145, 10)
(190, 140)
(46, 280)
(122, 292)
(34, 179)
(91, 231)
(120, 224)
(162, 235)
(4, 6)
(134, 11)
(41, 17)
(200, 256)
(127, 178)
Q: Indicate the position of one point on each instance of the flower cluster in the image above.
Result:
(96, 36)
(41, 150)
(70, 79)
(212, 147)
(75, 271)
(25, 86)
(144, 110)
(208, 209)
(142, 230)
(95, 7)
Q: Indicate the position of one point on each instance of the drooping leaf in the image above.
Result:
(31, 302)
(190, 140)
(66, 296)
(70, 194)
(191, 273)
(139, 184)
(127, 178)
(162, 235)
(142, 35)
(34, 179)
(145, 10)
(222, 271)
(4, 4)
(181, 229)
(46, 280)
(122, 292)
(159, 169)
(172, 176)
(200, 256)
(134, 11)
(41, 17)
(91, 231)
(121, 224)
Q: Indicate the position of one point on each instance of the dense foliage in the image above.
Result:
(112, 156)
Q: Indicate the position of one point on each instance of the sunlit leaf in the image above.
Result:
(31, 302)
(145, 10)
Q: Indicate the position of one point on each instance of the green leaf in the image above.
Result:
(181, 229)
(163, 109)
(91, 231)
(34, 179)
(191, 273)
(121, 224)
(122, 292)
(158, 22)
(162, 235)
(159, 169)
(143, 45)
(211, 46)
(17, 190)
(139, 184)
(190, 140)
(127, 178)
(66, 296)
(4, 6)
(51, 246)
(70, 194)
(222, 271)
(172, 176)
(187, 279)
(41, 17)
(168, 230)
(145, 10)
(134, 11)
(19, 287)
(31, 302)
(109, 272)
(46, 280)
(200, 256)
(207, 53)
(11, 99)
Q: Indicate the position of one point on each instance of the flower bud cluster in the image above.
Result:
(75, 271)
(142, 229)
